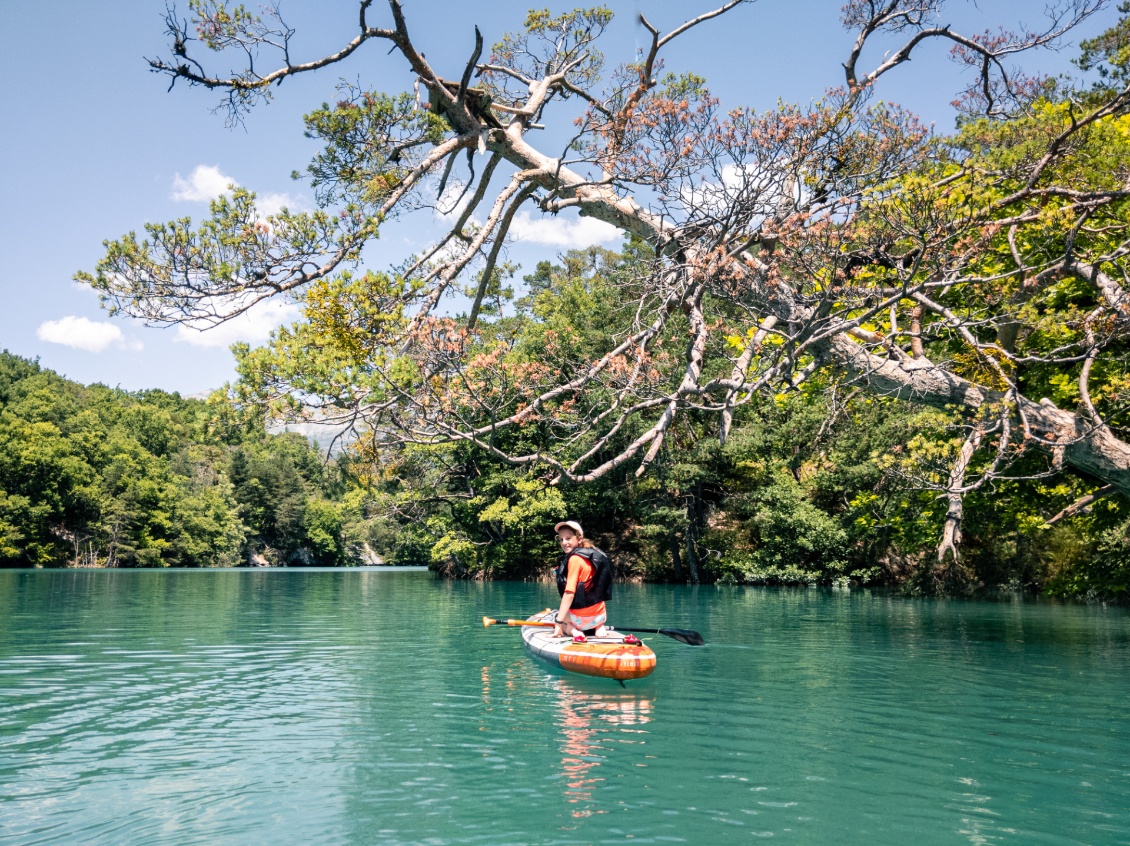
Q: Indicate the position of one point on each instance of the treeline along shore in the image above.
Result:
(92, 476)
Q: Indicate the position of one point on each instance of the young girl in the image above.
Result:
(576, 582)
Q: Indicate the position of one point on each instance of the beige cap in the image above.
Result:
(571, 524)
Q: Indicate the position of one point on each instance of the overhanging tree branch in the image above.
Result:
(839, 240)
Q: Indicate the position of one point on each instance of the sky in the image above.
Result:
(95, 145)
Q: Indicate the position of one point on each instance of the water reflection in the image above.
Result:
(590, 724)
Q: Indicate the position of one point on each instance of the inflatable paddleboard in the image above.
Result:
(606, 657)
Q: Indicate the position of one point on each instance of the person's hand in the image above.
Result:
(558, 631)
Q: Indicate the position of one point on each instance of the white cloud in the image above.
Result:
(81, 333)
(747, 181)
(454, 199)
(203, 184)
(206, 183)
(269, 204)
(574, 234)
(253, 326)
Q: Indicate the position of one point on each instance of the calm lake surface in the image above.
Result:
(372, 707)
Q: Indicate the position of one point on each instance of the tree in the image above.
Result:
(840, 240)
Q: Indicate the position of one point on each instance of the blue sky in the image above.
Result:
(94, 146)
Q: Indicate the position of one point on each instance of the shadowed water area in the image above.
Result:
(371, 707)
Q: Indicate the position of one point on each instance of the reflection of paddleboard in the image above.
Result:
(609, 657)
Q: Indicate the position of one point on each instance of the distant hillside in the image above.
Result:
(331, 439)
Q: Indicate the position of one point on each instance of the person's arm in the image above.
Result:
(567, 596)
(566, 604)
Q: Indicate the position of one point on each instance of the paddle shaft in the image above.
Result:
(517, 622)
(682, 635)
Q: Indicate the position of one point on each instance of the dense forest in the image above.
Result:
(96, 476)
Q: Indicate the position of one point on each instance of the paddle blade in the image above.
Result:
(684, 636)
(691, 638)
(488, 622)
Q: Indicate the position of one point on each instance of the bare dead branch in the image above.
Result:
(1082, 505)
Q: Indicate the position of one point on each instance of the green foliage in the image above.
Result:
(220, 27)
(790, 531)
(93, 476)
(1089, 558)
(371, 140)
(1109, 52)
(322, 530)
(217, 258)
(811, 487)
(464, 515)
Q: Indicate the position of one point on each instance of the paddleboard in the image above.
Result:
(606, 657)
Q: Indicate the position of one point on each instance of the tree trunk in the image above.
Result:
(676, 556)
(917, 350)
(692, 557)
(694, 532)
(951, 535)
(1085, 446)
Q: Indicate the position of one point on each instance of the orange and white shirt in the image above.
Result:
(581, 571)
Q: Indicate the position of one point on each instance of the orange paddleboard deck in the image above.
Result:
(606, 657)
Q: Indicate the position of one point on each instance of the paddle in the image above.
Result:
(690, 638)
(682, 635)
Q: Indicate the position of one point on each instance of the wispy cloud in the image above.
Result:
(81, 333)
(207, 182)
(747, 185)
(451, 204)
(253, 326)
(269, 204)
(571, 233)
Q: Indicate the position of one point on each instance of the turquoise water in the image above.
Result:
(369, 707)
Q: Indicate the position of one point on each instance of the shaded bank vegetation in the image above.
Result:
(811, 486)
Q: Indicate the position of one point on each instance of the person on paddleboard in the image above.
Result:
(584, 578)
